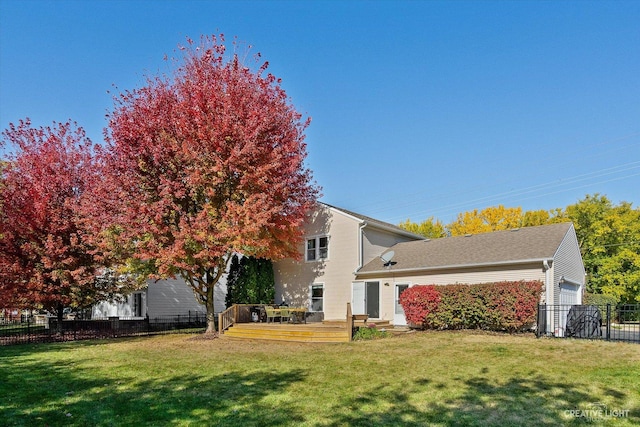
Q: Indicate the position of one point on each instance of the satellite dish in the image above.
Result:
(387, 257)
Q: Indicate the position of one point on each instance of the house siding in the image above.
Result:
(568, 263)
(171, 297)
(375, 242)
(123, 308)
(294, 278)
(449, 277)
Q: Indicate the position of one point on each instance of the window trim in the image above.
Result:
(311, 299)
(317, 248)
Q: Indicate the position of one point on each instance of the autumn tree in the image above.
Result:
(430, 228)
(45, 260)
(202, 164)
(609, 238)
(543, 217)
(489, 219)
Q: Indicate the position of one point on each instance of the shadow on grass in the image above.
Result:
(517, 402)
(37, 393)
(63, 394)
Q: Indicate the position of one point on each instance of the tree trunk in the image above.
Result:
(211, 317)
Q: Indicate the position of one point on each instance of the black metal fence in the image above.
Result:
(606, 322)
(46, 329)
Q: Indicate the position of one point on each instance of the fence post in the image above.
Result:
(608, 322)
(542, 324)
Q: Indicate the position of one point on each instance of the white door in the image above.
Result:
(357, 298)
(365, 299)
(398, 313)
(372, 299)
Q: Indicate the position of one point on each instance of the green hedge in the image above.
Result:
(599, 299)
(503, 306)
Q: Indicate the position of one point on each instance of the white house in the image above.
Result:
(341, 263)
(160, 298)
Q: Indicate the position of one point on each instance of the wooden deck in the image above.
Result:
(328, 331)
(310, 332)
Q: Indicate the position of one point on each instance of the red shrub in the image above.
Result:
(418, 302)
(503, 306)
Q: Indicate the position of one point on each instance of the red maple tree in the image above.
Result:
(44, 257)
(203, 164)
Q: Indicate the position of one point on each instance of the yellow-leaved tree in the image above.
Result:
(489, 219)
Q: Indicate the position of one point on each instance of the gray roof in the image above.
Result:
(499, 247)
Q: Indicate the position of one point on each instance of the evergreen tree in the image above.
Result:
(250, 281)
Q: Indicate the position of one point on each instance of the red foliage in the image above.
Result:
(511, 306)
(418, 302)
(44, 257)
(203, 164)
(504, 306)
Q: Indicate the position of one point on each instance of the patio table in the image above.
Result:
(297, 314)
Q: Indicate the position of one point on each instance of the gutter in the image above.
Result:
(547, 281)
(451, 267)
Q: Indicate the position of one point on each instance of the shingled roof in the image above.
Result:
(501, 247)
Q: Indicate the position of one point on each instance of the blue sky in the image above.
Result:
(419, 108)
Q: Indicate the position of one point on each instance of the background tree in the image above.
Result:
(203, 164)
(45, 260)
(430, 228)
(250, 281)
(609, 238)
(487, 220)
(543, 217)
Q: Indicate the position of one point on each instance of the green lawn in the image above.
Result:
(433, 378)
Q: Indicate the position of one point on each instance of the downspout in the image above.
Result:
(363, 224)
(547, 294)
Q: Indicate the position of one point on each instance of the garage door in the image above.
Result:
(568, 293)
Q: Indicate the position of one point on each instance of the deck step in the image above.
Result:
(339, 322)
(294, 333)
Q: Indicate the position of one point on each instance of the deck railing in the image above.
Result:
(227, 318)
(349, 321)
(237, 313)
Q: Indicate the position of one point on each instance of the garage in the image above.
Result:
(569, 293)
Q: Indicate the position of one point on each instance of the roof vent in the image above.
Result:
(515, 229)
(427, 240)
(468, 235)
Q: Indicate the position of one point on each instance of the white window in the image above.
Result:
(317, 248)
(317, 297)
(137, 304)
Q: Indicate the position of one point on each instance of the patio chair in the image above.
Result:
(285, 313)
(272, 314)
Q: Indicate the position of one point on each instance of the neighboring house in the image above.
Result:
(341, 263)
(161, 298)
